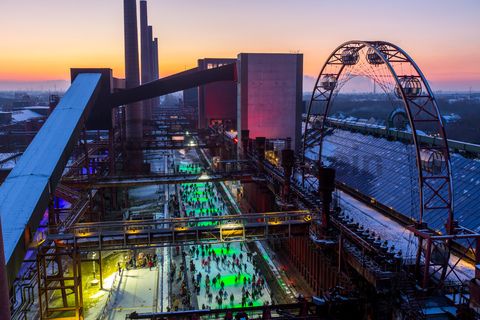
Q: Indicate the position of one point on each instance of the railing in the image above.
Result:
(128, 234)
(117, 181)
(128, 226)
(113, 290)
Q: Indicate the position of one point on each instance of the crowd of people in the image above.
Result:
(192, 168)
(180, 277)
(142, 260)
(222, 275)
(201, 199)
(238, 268)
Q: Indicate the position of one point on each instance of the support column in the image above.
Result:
(58, 260)
(4, 296)
(52, 222)
(474, 285)
(244, 143)
(111, 152)
(100, 269)
(326, 185)
(288, 161)
(426, 271)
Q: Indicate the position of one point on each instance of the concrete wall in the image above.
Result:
(216, 101)
(190, 97)
(270, 95)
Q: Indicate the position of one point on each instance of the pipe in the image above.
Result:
(180, 81)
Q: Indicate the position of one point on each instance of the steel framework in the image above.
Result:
(412, 89)
(232, 228)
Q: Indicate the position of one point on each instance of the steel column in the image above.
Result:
(4, 295)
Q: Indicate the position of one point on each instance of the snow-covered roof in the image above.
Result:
(24, 115)
(386, 171)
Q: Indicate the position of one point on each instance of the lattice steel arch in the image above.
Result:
(433, 161)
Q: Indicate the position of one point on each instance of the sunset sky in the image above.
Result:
(41, 39)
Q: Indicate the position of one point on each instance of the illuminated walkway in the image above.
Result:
(237, 281)
(136, 292)
(230, 266)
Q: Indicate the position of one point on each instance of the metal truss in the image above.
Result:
(51, 280)
(412, 88)
(134, 181)
(119, 235)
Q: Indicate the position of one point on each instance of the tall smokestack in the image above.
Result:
(134, 111)
(145, 39)
(156, 73)
(145, 43)
(155, 59)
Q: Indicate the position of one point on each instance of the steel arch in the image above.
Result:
(435, 184)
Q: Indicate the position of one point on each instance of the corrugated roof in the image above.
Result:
(386, 170)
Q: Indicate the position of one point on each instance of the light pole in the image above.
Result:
(94, 255)
(94, 282)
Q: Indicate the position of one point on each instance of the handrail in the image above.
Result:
(290, 215)
(113, 290)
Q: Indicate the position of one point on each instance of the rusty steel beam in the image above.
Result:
(121, 235)
(134, 181)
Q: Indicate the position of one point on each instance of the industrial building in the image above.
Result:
(238, 202)
(217, 102)
(270, 85)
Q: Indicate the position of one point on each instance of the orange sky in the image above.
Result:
(41, 40)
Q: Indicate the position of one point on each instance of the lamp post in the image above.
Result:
(94, 281)
(94, 255)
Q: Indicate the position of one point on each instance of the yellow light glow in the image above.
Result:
(84, 234)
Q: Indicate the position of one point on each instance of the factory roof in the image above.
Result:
(386, 171)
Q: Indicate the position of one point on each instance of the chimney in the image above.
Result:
(134, 111)
(155, 69)
(145, 43)
(145, 40)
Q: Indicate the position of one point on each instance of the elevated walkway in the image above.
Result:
(122, 235)
(135, 181)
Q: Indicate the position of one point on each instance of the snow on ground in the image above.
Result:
(234, 280)
(135, 293)
(101, 298)
(238, 283)
(383, 226)
(397, 235)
